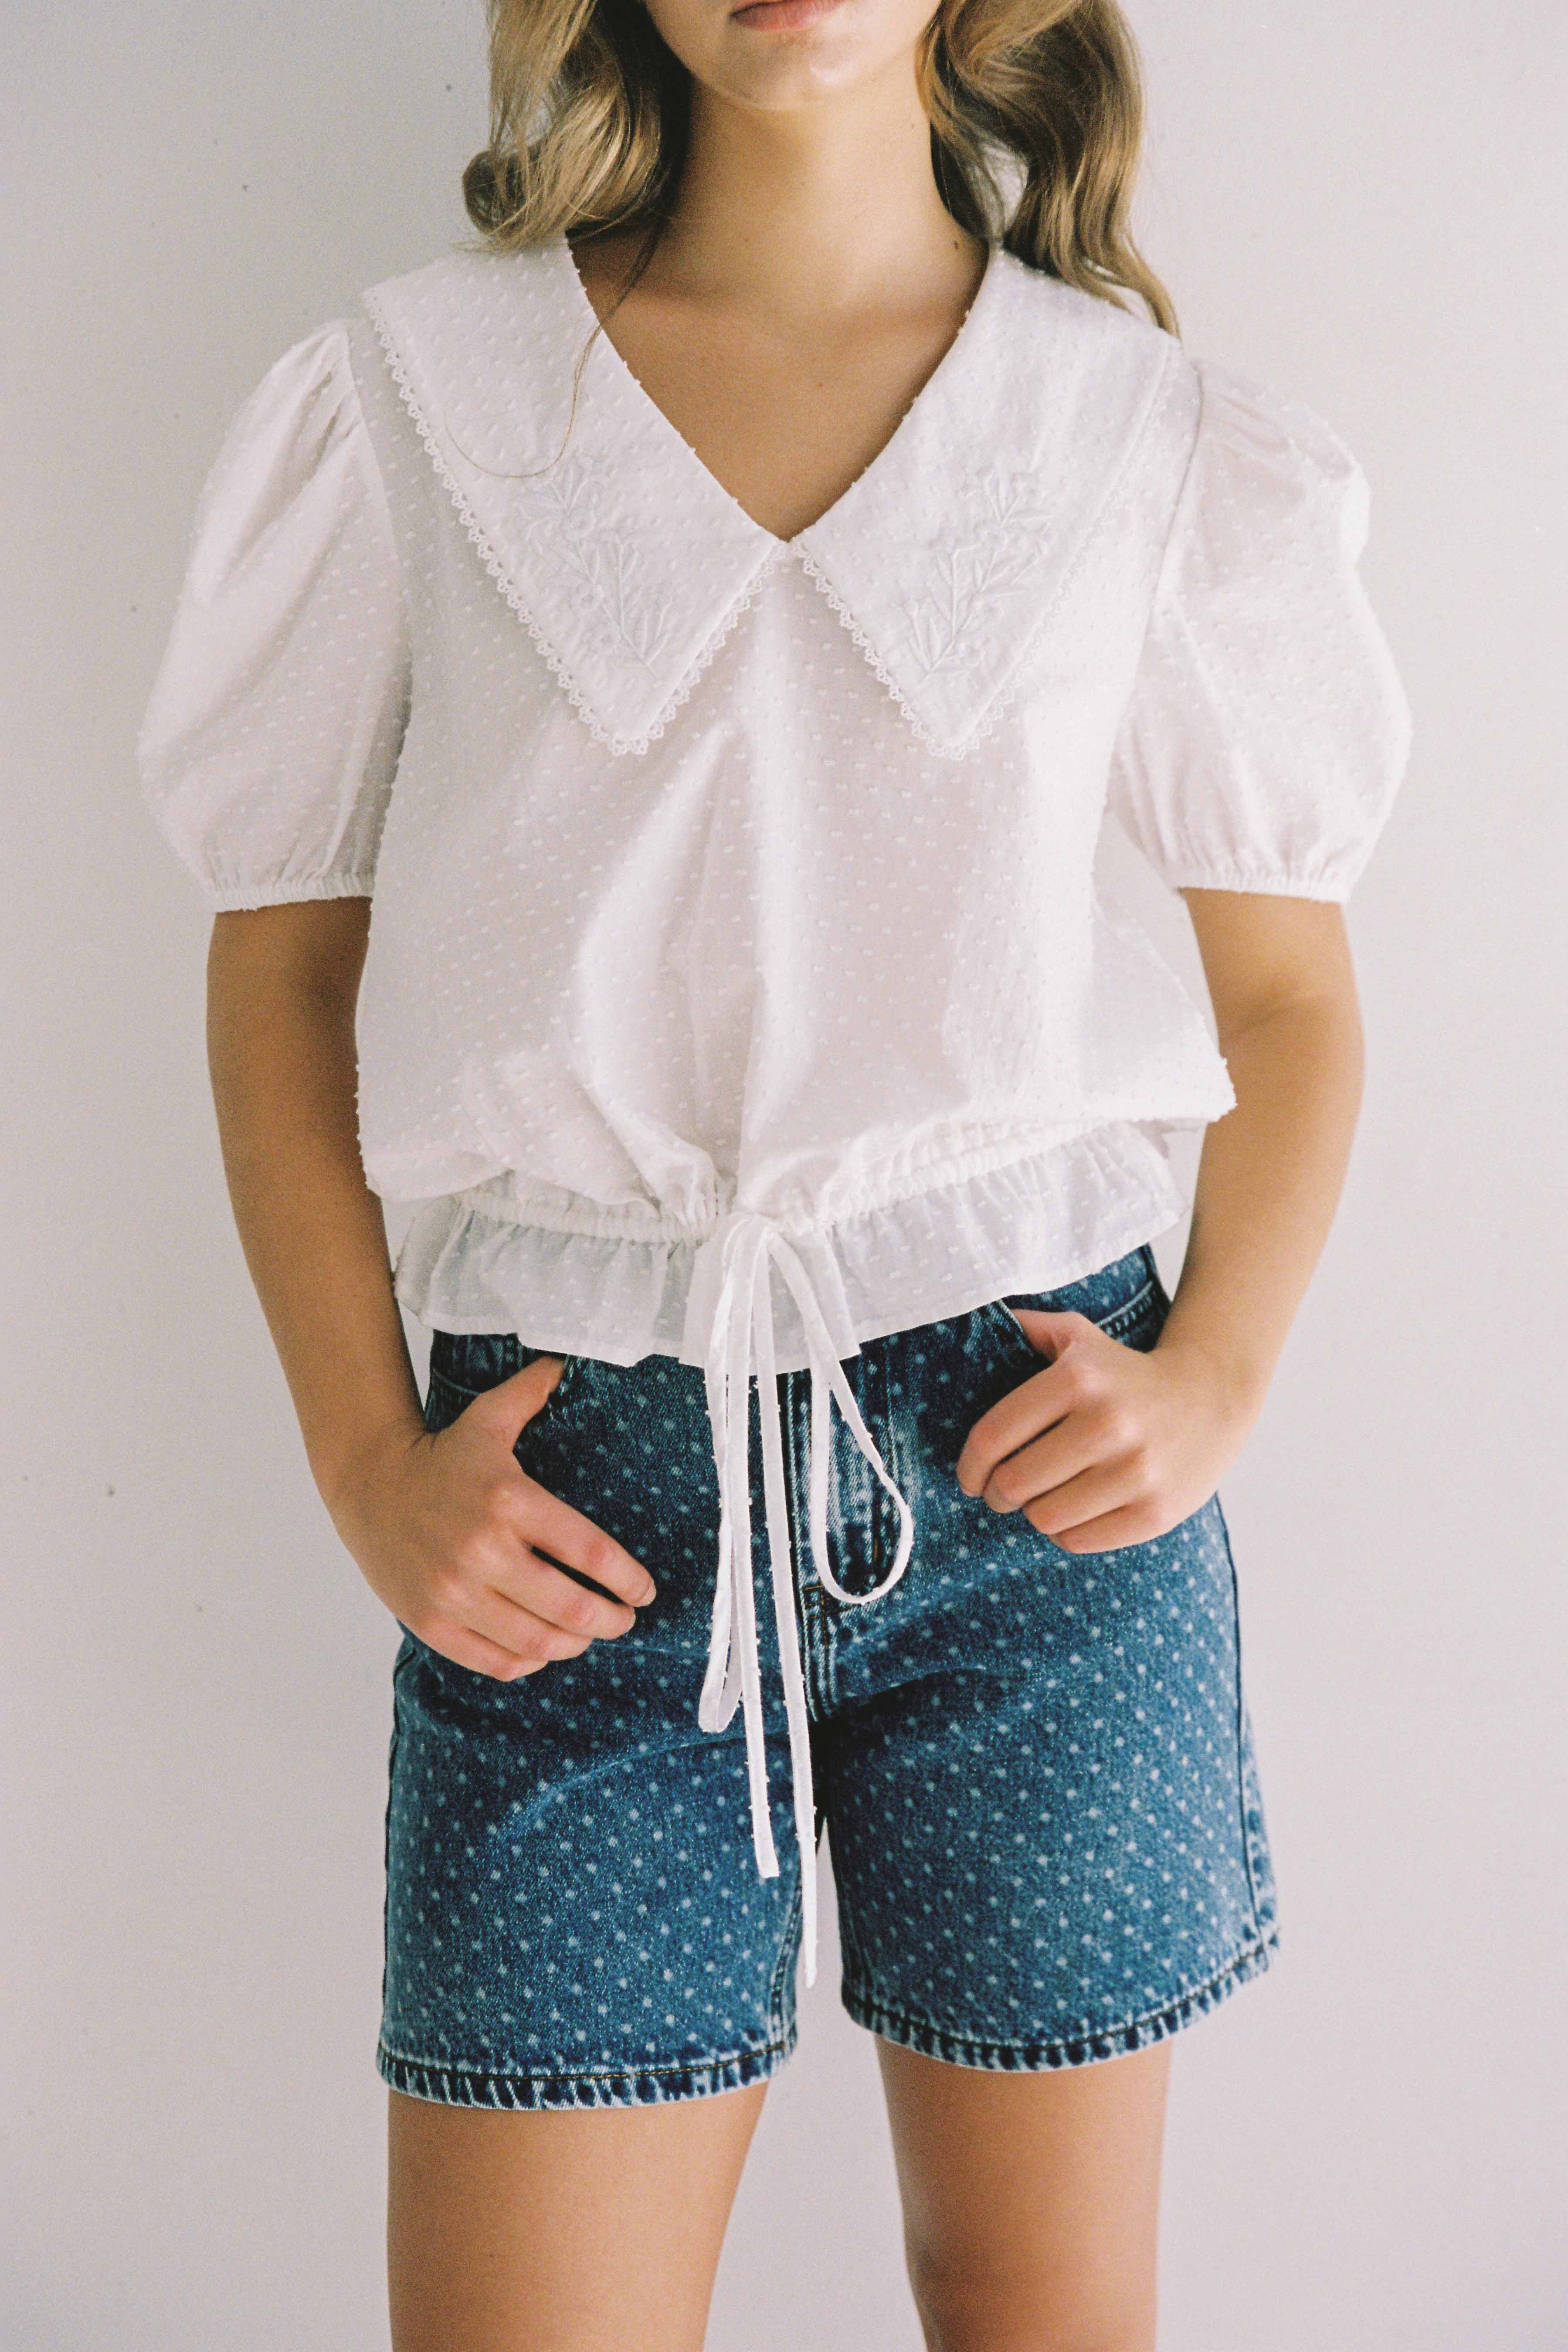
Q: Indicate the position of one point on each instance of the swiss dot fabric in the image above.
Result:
(272, 737)
(716, 875)
(1266, 729)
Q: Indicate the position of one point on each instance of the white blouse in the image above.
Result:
(738, 988)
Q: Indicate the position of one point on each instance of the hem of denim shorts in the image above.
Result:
(590, 2086)
(1082, 2049)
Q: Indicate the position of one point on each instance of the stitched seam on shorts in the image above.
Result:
(386, 1841)
(851, 1951)
(1137, 1309)
(1246, 1962)
(576, 2093)
(771, 2048)
(1257, 1928)
(461, 1388)
(893, 1425)
(779, 2006)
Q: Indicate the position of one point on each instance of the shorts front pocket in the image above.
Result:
(460, 1371)
(1134, 1322)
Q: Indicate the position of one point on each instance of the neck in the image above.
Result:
(812, 211)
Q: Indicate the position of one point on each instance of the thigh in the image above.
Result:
(1031, 2202)
(560, 2233)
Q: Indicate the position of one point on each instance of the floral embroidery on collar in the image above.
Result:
(598, 567)
(629, 563)
(624, 573)
(1004, 550)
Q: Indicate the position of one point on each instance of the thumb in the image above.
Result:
(512, 1404)
(1051, 1333)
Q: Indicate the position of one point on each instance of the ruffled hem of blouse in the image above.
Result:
(1033, 1224)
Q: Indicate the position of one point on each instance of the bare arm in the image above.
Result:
(1285, 1002)
(1106, 1445)
(282, 987)
(447, 1530)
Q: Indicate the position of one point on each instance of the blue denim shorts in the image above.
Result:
(1035, 1769)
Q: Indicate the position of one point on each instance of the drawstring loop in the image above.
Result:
(730, 1330)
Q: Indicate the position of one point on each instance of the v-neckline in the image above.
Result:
(632, 388)
(628, 561)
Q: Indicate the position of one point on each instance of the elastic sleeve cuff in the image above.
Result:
(1331, 888)
(234, 897)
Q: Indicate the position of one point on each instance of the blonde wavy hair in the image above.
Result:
(1036, 125)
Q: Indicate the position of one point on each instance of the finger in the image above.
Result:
(512, 1404)
(466, 1648)
(1134, 1523)
(536, 1585)
(552, 1525)
(1072, 1446)
(1104, 1486)
(1051, 1330)
(1024, 1412)
(526, 1631)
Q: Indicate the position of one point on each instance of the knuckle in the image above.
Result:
(497, 1502)
(447, 1585)
(576, 1612)
(602, 1558)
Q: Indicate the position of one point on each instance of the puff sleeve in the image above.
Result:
(1267, 731)
(267, 749)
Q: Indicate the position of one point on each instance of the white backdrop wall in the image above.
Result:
(1365, 206)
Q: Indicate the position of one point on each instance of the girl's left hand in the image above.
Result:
(1108, 1445)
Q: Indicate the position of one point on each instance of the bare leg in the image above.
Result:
(596, 2232)
(1030, 2201)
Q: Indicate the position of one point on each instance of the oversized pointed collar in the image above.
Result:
(628, 561)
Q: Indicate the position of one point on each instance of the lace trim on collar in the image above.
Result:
(629, 563)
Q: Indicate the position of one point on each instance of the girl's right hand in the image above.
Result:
(449, 1531)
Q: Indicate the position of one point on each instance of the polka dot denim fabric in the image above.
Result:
(1034, 1770)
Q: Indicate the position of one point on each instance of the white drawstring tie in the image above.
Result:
(729, 1331)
